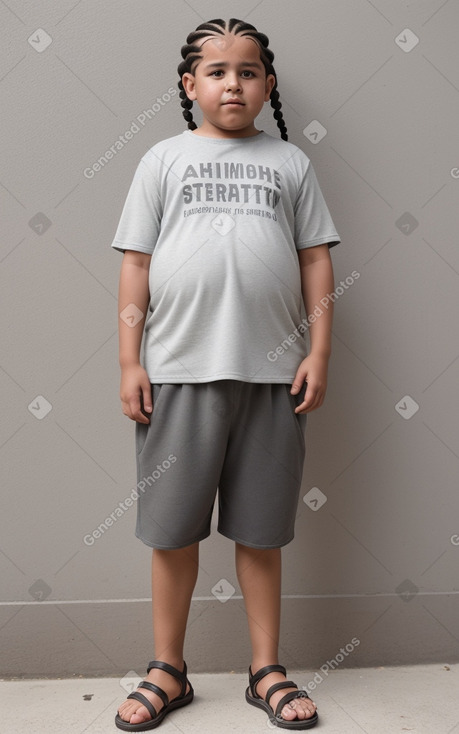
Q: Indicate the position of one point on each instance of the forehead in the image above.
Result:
(230, 47)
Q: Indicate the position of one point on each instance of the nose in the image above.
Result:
(233, 82)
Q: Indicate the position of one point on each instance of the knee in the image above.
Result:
(259, 553)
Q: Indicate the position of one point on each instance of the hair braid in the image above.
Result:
(278, 116)
(191, 52)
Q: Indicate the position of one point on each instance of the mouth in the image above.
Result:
(234, 102)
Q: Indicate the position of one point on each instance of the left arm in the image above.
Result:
(316, 281)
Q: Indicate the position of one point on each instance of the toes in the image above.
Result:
(130, 714)
(300, 710)
(139, 716)
(288, 713)
(124, 710)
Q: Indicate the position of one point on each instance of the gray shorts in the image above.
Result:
(241, 438)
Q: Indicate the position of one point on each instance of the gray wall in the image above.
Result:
(378, 560)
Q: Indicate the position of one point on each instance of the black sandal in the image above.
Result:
(275, 716)
(156, 718)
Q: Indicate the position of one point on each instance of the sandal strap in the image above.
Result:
(181, 676)
(278, 686)
(254, 678)
(289, 697)
(145, 702)
(155, 689)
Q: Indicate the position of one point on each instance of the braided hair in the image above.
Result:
(191, 53)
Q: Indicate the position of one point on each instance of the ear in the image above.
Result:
(270, 82)
(189, 85)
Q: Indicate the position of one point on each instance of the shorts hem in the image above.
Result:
(172, 547)
(259, 546)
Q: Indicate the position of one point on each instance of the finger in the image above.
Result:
(298, 383)
(141, 417)
(146, 400)
(308, 406)
(313, 400)
(136, 410)
(127, 410)
(309, 396)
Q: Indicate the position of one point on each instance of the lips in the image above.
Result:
(234, 101)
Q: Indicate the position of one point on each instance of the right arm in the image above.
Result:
(133, 289)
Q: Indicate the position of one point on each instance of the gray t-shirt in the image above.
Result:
(223, 220)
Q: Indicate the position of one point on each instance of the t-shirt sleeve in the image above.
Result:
(313, 222)
(140, 220)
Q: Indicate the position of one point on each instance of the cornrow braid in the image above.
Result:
(191, 52)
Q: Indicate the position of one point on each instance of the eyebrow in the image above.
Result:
(219, 64)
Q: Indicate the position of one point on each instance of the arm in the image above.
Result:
(316, 281)
(133, 289)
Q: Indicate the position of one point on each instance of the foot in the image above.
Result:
(133, 712)
(298, 708)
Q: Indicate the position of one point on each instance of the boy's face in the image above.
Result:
(230, 85)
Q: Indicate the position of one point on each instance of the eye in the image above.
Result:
(247, 74)
(216, 72)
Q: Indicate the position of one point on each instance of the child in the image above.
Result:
(238, 235)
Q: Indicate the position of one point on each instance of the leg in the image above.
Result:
(174, 574)
(259, 576)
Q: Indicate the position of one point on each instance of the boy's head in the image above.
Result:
(247, 56)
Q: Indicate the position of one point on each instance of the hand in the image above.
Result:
(312, 370)
(135, 390)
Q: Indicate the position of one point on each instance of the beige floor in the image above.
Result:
(422, 699)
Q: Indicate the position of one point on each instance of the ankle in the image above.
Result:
(176, 661)
(258, 663)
